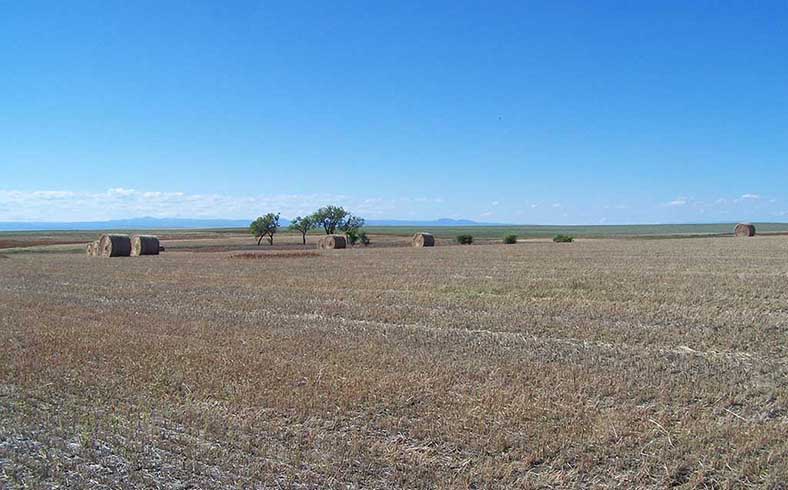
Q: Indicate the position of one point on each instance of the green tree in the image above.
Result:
(302, 224)
(265, 226)
(329, 218)
(351, 224)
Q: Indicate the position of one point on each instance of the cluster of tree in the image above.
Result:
(330, 218)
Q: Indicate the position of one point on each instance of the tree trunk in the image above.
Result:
(259, 240)
(303, 238)
(271, 240)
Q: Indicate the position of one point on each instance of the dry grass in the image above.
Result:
(276, 255)
(16, 243)
(608, 363)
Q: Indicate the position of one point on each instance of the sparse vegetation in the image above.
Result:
(510, 239)
(563, 239)
(465, 239)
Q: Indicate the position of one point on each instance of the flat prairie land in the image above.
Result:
(596, 364)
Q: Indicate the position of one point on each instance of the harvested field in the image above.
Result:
(276, 255)
(608, 363)
(12, 243)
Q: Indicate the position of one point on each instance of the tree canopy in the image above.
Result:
(329, 218)
(302, 224)
(265, 226)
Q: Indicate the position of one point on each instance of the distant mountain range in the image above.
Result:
(148, 223)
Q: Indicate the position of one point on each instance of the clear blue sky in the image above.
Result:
(527, 112)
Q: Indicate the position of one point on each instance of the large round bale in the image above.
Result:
(114, 246)
(91, 249)
(744, 229)
(145, 245)
(423, 240)
(332, 242)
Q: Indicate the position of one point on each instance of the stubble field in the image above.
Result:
(596, 364)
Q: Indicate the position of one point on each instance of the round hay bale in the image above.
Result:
(332, 242)
(423, 240)
(91, 249)
(744, 229)
(114, 246)
(145, 245)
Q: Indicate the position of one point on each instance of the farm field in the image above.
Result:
(218, 364)
(238, 238)
(582, 231)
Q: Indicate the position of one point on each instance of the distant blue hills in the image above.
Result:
(148, 223)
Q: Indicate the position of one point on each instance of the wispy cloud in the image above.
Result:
(748, 198)
(122, 202)
(681, 201)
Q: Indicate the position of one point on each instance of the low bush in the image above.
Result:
(563, 239)
(510, 239)
(464, 239)
(363, 238)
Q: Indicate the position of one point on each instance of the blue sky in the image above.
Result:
(523, 112)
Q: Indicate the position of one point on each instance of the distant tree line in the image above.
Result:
(331, 219)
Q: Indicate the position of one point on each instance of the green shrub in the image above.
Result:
(510, 239)
(563, 239)
(464, 239)
(352, 236)
(363, 238)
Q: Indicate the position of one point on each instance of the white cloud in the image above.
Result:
(118, 203)
(681, 201)
(752, 197)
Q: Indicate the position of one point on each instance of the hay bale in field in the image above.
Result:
(145, 245)
(91, 249)
(744, 229)
(114, 246)
(332, 242)
(423, 240)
